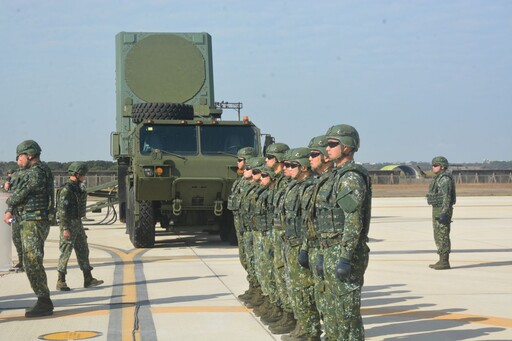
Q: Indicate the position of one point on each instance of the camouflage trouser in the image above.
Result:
(33, 236)
(249, 258)
(241, 253)
(346, 295)
(263, 263)
(279, 270)
(301, 291)
(78, 242)
(321, 299)
(441, 233)
(16, 237)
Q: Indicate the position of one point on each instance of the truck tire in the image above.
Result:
(161, 111)
(144, 230)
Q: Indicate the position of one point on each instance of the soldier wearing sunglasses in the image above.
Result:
(311, 253)
(252, 176)
(343, 224)
(300, 279)
(234, 204)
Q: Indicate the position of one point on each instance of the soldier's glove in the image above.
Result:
(303, 259)
(320, 266)
(342, 269)
(444, 219)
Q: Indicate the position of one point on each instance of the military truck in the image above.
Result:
(176, 155)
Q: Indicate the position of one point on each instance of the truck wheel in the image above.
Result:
(144, 231)
(161, 111)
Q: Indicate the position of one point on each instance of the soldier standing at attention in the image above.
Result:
(234, 204)
(346, 250)
(71, 207)
(311, 249)
(247, 214)
(33, 200)
(298, 274)
(441, 195)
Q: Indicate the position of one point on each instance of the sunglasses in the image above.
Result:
(333, 144)
(265, 175)
(291, 165)
(256, 171)
(248, 168)
(270, 157)
(435, 165)
(240, 159)
(314, 154)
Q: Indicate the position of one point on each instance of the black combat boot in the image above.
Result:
(61, 282)
(90, 281)
(43, 307)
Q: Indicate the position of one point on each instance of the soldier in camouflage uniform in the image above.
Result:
(262, 233)
(234, 204)
(33, 199)
(298, 274)
(10, 186)
(345, 227)
(276, 155)
(247, 227)
(311, 250)
(71, 208)
(441, 195)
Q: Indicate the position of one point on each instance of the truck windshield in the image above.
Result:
(178, 139)
(218, 139)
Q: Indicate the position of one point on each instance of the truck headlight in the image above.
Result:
(149, 172)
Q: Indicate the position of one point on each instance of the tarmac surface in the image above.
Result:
(186, 288)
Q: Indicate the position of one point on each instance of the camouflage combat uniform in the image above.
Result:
(71, 209)
(442, 197)
(278, 242)
(234, 204)
(247, 215)
(16, 224)
(316, 207)
(343, 224)
(299, 279)
(263, 260)
(32, 200)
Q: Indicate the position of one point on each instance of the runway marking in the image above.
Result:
(129, 292)
(436, 315)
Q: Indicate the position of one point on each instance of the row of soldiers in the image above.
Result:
(31, 210)
(302, 217)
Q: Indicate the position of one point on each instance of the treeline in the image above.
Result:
(97, 165)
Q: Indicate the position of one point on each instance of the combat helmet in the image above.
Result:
(78, 167)
(346, 134)
(300, 155)
(255, 162)
(268, 171)
(29, 147)
(246, 152)
(318, 143)
(277, 150)
(441, 161)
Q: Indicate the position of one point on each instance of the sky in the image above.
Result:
(416, 78)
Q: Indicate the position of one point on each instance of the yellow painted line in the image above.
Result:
(200, 309)
(436, 315)
(129, 293)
